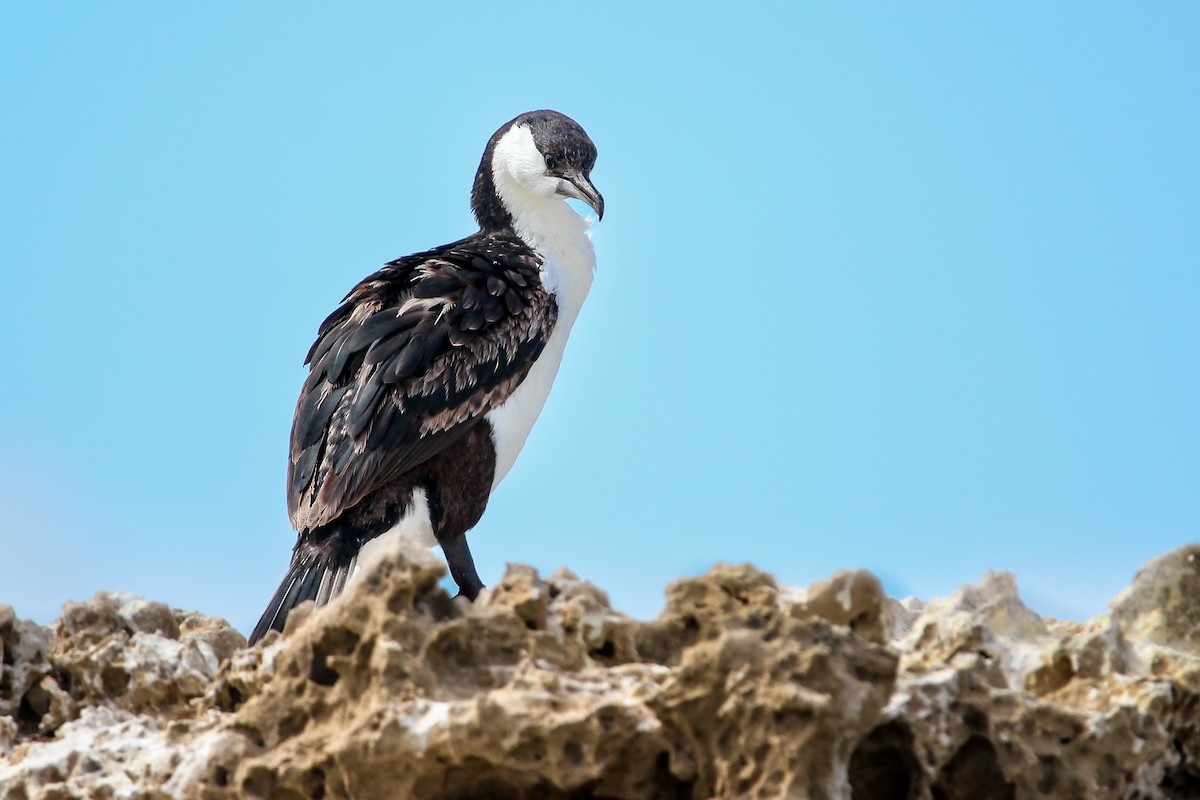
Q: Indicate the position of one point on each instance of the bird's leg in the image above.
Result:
(462, 566)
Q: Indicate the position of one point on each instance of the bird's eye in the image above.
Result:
(550, 162)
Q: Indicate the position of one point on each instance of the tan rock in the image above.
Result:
(1162, 606)
(740, 688)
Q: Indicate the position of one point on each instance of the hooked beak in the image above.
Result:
(580, 187)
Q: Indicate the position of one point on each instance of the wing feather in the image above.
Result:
(413, 357)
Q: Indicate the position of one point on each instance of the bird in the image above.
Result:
(425, 382)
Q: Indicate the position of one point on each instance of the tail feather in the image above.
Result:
(316, 573)
(334, 581)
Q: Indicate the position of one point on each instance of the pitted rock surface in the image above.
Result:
(740, 688)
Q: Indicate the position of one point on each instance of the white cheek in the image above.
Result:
(517, 155)
(532, 176)
(543, 185)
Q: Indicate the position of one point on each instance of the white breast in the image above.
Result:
(567, 274)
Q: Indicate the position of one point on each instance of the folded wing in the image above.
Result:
(415, 355)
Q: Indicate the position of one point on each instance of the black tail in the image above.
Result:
(316, 573)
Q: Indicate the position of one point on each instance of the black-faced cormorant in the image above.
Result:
(425, 382)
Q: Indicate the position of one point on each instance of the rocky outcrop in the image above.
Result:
(740, 688)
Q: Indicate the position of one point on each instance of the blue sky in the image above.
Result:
(912, 289)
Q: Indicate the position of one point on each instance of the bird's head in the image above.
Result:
(539, 157)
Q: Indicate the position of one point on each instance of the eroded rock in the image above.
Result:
(740, 688)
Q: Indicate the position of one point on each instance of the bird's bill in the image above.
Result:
(580, 187)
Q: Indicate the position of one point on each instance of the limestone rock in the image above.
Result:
(740, 688)
(89, 703)
(1162, 606)
(1001, 703)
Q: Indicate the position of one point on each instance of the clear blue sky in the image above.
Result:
(912, 289)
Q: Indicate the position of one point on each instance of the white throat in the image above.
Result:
(541, 217)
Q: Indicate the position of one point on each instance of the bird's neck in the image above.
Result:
(547, 224)
(560, 236)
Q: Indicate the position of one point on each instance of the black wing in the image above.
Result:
(413, 357)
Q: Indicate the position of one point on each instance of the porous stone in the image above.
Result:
(23, 663)
(1162, 605)
(740, 688)
(109, 692)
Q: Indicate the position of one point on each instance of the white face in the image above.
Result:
(518, 156)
